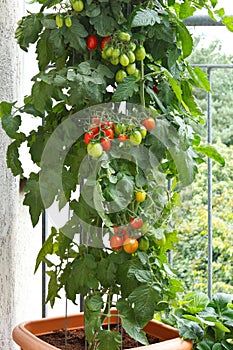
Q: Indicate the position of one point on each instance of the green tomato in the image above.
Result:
(114, 61)
(135, 138)
(120, 75)
(103, 54)
(160, 241)
(124, 61)
(68, 21)
(123, 36)
(132, 46)
(118, 129)
(95, 150)
(145, 228)
(116, 53)
(143, 243)
(59, 20)
(78, 5)
(109, 51)
(143, 131)
(137, 74)
(140, 53)
(131, 56)
(131, 68)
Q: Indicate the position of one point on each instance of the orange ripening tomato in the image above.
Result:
(130, 245)
(149, 123)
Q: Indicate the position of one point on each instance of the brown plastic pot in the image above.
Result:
(25, 334)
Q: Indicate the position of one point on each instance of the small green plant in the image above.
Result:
(208, 323)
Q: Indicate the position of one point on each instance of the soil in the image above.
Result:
(76, 339)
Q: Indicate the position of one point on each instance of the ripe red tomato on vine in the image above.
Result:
(92, 42)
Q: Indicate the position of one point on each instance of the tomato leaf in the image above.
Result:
(12, 158)
(145, 17)
(108, 340)
(129, 321)
(210, 152)
(125, 89)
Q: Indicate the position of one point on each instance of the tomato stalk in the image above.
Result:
(142, 85)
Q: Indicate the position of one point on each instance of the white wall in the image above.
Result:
(19, 242)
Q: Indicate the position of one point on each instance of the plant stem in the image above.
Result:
(142, 85)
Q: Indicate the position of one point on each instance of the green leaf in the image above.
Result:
(217, 346)
(5, 108)
(33, 198)
(47, 248)
(144, 298)
(220, 301)
(145, 17)
(227, 317)
(53, 288)
(129, 322)
(108, 340)
(228, 21)
(186, 10)
(125, 89)
(11, 124)
(210, 152)
(75, 35)
(104, 24)
(174, 84)
(41, 93)
(44, 52)
(82, 277)
(142, 275)
(226, 345)
(12, 158)
(186, 39)
(196, 302)
(94, 302)
(199, 77)
(205, 344)
(28, 30)
(190, 330)
(221, 326)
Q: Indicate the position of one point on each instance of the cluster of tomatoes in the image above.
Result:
(66, 19)
(130, 243)
(101, 133)
(120, 49)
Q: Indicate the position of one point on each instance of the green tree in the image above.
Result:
(222, 88)
(190, 255)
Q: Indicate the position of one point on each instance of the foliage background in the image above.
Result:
(191, 252)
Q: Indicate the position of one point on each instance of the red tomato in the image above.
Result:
(88, 136)
(136, 223)
(116, 229)
(94, 129)
(149, 123)
(106, 144)
(104, 41)
(116, 242)
(107, 124)
(155, 89)
(92, 42)
(96, 121)
(109, 133)
(123, 138)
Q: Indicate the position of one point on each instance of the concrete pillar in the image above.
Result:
(19, 289)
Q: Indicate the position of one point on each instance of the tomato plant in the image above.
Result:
(99, 62)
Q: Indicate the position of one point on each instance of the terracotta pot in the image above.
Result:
(25, 333)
